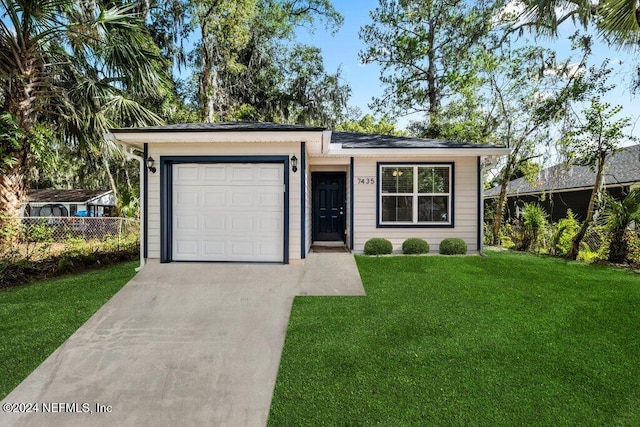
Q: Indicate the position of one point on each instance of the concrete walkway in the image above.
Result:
(180, 344)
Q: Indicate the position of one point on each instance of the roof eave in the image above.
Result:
(138, 139)
(99, 196)
(424, 151)
(214, 130)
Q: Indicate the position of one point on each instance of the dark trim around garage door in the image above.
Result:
(166, 195)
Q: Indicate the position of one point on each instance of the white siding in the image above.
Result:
(465, 194)
(465, 205)
(224, 149)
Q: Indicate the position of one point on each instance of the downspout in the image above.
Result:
(481, 162)
(130, 156)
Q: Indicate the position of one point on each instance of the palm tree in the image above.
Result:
(617, 216)
(72, 69)
(617, 20)
(620, 21)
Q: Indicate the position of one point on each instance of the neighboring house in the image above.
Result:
(266, 192)
(562, 187)
(51, 202)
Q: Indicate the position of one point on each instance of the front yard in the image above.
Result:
(512, 339)
(37, 318)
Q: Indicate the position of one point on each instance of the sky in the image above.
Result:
(341, 50)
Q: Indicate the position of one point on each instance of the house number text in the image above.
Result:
(366, 180)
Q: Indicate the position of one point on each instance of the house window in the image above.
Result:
(415, 195)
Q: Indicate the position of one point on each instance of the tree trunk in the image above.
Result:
(618, 248)
(12, 191)
(19, 103)
(575, 244)
(207, 87)
(577, 239)
(13, 179)
(112, 182)
(432, 87)
(125, 168)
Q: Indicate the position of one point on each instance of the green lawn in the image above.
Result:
(512, 339)
(36, 318)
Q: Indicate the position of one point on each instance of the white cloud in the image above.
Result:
(565, 70)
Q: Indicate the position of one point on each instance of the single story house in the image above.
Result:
(243, 191)
(562, 187)
(52, 202)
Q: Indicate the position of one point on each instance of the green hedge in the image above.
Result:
(415, 245)
(78, 255)
(378, 246)
(453, 246)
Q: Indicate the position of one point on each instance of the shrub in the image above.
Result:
(24, 264)
(507, 243)
(453, 246)
(378, 246)
(594, 247)
(563, 236)
(634, 248)
(617, 217)
(65, 264)
(415, 245)
(535, 220)
(506, 236)
(587, 255)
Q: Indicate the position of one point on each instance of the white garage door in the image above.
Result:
(228, 212)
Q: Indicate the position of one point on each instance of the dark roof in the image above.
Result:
(221, 127)
(348, 140)
(61, 196)
(623, 167)
(363, 140)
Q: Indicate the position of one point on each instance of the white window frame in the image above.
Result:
(416, 195)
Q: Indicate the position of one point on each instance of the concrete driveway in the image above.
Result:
(180, 344)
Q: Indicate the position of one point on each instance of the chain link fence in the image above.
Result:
(46, 246)
(595, 239)
(60, 229)
(32, 238)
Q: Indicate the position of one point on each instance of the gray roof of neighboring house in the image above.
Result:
(63, 196)
(623, 167)
(364, 140)
(221, 127)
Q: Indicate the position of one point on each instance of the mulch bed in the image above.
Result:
(23, 272)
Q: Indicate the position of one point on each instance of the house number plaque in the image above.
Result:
(366, 180)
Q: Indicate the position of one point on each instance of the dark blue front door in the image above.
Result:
(328, 206)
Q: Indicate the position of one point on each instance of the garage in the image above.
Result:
(227, 211)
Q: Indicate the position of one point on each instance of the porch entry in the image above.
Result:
(328, 204)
